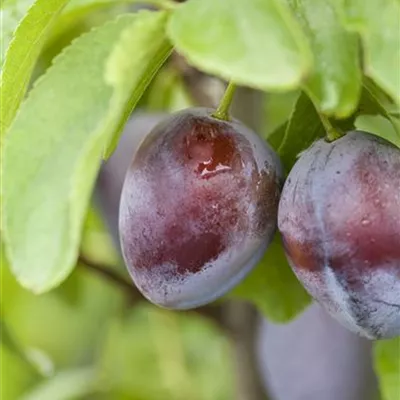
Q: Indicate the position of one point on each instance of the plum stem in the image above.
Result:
(222, 112)
(332, 133)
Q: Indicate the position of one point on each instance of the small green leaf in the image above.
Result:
(303, 129)
(386, 104)
(379, 126)
(376, 114)
(273, 287)
(377, 21)
(387, 366)
(373, 101)
(277, 108)
(254, 43)
(335, 83)
(64, 385)
(22, 54)
(54, 147)
(276, 137)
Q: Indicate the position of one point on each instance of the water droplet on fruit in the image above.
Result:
(365, 222)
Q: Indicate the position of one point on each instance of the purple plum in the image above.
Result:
(339, 216)
(198, 208)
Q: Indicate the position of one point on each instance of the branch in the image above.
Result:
(213, 311)
(108, 273)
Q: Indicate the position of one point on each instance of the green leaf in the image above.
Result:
(376, 114)
(373, 101)
(9, 341)
(303, 129)
(41, 360)
(145, 60)
(81, 15)
(277, 109)
(379, 126)
(15, 375)
(64, 385)
(387, 366)
(22, 54)
(335, 83)
(377, 21)
(386, 104)
(157, 354)
(60, 133)
(78, 17)
(276, 137)
(11, 13)
(41, 323)
(273, 287)
(254, 43)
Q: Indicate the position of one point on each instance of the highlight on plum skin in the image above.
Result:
(198, 208)
(339, 216)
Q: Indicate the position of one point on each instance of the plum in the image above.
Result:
(339, 363)
(339, 216)
(198, 208)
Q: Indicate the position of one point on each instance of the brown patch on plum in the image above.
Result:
(303, 255)
(210, 149)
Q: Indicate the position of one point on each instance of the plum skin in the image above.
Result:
(339, 216)
(198, 208)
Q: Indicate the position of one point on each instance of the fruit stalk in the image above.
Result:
(222, 111)
(332, 134)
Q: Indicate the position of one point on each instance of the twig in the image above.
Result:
(108, 273)
(213, 311)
